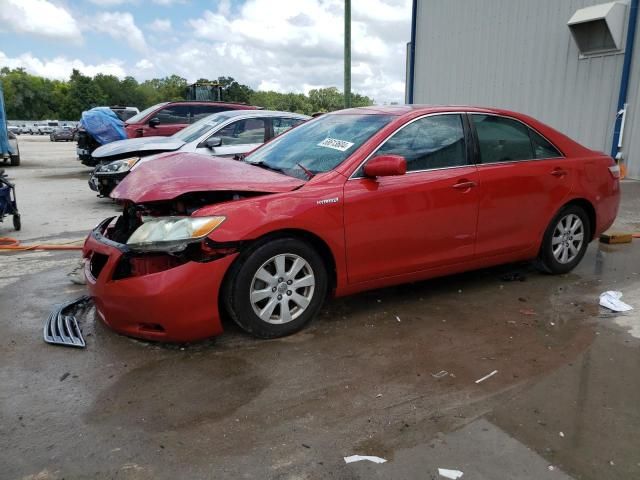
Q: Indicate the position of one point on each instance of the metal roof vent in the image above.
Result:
(599, 28)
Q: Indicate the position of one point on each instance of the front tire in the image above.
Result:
(278, 289)
(565, 240)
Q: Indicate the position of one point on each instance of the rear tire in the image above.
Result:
(15, 160)
(17, 224)
(565, 240)
(277, 289)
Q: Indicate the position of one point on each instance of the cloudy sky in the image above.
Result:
(283, 45)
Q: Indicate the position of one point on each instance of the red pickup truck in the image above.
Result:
(167, 118)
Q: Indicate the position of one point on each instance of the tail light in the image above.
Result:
(615, 171)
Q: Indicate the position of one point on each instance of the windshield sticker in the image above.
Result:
(336, 144)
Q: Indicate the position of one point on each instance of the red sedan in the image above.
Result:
(350, 201)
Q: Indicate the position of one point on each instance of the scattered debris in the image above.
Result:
(562, 434)
(528, 311)
(611, 300)
(551, 468)
(379, 395)
(64, 376)
(616, 237)
(487, 376)
(453, 474)
(397, 318)
(306, 446)
(440, 374)
(513, 277)
(358, 458)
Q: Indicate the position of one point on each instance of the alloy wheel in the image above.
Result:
(567, 239)
(282, 288)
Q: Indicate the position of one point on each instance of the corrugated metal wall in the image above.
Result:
(519, 54)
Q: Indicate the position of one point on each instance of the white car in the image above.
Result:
(223, 134)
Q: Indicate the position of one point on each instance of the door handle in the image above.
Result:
(464, 185)
(559, 172)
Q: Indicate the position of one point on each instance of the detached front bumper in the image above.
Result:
(179, 304)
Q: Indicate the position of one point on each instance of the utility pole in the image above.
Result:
(347, 53)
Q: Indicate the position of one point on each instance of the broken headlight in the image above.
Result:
(172, 234)
(118, 166)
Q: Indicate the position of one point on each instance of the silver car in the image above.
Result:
(224, 134)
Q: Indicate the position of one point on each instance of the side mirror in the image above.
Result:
(154, 122)
(385, 166)
(213, 142)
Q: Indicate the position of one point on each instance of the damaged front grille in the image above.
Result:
(61, 328)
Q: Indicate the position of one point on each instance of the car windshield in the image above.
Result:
(139, 117)
(196, 130)
(319, 145)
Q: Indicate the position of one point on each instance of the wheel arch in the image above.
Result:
(589, 209)
(311, 238)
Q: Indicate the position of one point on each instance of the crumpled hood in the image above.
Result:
(175, 174)
(132, 146)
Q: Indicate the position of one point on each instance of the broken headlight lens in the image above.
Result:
(119, 166)
(172, 233)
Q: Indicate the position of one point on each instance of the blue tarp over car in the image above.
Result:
(103, 125)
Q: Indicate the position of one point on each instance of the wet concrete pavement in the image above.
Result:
(362, 379)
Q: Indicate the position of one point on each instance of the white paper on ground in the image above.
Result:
(487, 376)
(611, 300)
(446, 473)
(357, 458)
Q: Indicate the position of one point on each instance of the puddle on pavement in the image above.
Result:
(176, 393)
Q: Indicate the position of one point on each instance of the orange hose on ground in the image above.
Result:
(9, 244)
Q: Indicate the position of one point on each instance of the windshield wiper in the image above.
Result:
(307, 172)
(268, 167)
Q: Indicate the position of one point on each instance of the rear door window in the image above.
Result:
(502, 139)
(243, 132)
(198, 112)
(282, 124)
(431, 142)
(174, 114)
(542, 148)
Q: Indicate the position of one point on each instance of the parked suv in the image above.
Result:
(167, 118)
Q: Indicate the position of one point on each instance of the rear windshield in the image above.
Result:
(139, 117)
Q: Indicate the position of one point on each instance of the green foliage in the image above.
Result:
(29, 97)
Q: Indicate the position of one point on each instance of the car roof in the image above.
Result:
(399, 110)
(207, 102)
(234, 114)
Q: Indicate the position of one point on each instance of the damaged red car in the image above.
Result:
(353, 200)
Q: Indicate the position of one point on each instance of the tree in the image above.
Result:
(30, 97)
(82, 95)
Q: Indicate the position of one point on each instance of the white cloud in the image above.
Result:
(108, 3)
(120, 26)
(39, 17)
(144, 64)
(60, 67)
(160, 25)
(298, 43)
(167, 3)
